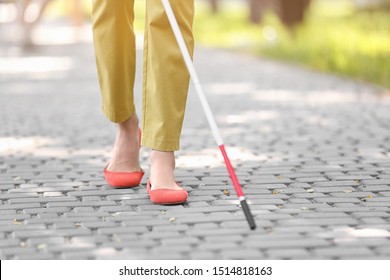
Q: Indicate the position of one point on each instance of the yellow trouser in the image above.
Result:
(165, 77)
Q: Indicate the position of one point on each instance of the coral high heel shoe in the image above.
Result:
(166, 196)
(123, 179)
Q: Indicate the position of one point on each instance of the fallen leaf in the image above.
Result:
(347, 191)
(226, 192)
(280, 206)
(42, 246)
(16, 222)
(117, 239)
(116, 214)
(369, 196)
(172, 220)
(275, 192)
(279, 177)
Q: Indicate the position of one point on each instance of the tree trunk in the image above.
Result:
(214, 6)
(292, 12)
(255, 11)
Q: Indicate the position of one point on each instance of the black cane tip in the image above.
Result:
(248, 214)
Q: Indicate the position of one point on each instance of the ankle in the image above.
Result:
(161, 159)
(129, 126)
(162, 169)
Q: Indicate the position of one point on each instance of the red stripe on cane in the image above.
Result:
(231, 171)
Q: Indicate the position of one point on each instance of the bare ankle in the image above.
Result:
(162, 158)
(129, 125)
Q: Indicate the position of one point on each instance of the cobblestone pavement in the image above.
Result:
(312, 152)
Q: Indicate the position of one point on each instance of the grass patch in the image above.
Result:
(335, 38)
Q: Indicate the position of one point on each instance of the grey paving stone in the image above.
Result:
(161, 235)
(35, 256)
(353, 194)
(283, 243)
(309, 195)
(350, 177)
(216, 231)
(337, 200)
(41, 200)
(307, 206)
(319, 222)
(87, 213)
(9, 243)
(180, 241)
(60, 220)
(204, 255)
(56, 210)
(131, 229)
(369, 242)
(297, 253)
(81, 204)
(377, 199)
(6, 196)
(208, 219)
(71, 248)
(20, 206)
(218, 246)
(336, 184)
(374, 188)
(316, 215)
(11, 217)
(207, 198)
(375, 204)
(376, 182)
(299, 229)
(311, 179)
(120, 244)
(41, 190)
(209, 209)
(271, 181)
(147, 222)
(64, 225)
(243, 224)
(73, 232)
(45, 240)
(353, 209)
(232, 238)
(340, 251)
(373, 220)
(11, 251)
(7, 212)
(171, 227)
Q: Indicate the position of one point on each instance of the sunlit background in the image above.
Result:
(347, 37)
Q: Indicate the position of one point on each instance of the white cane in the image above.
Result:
(207, 110)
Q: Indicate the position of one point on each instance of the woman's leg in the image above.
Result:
(165, 87)
(114, 42)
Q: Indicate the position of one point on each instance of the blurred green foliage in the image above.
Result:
(336, 37)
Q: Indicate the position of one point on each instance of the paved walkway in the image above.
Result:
(311, 150)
